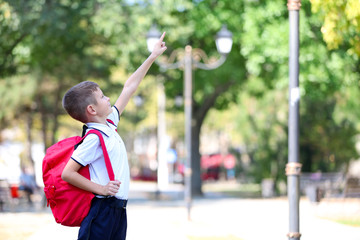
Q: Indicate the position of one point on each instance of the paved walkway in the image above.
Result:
(212, 218)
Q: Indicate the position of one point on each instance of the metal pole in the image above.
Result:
(163, 174)
(188, 117)
(293, 168)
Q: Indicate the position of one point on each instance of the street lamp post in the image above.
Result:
(189, 59)
(293, 168)
(163, 171)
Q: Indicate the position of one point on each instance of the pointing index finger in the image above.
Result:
(162, 37)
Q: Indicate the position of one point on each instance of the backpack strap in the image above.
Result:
(106, 155)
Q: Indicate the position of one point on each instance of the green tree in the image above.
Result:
(46, 47)
(60, 47)
(328, 77)
(340, 23)
(196, 23)
(52, 45)
(329, 95)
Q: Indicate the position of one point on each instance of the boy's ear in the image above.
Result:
(90, 110)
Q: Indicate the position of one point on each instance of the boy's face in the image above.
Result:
(103, 106)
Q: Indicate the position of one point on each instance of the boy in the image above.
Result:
(86, 102)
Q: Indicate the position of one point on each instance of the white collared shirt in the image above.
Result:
(90, 153)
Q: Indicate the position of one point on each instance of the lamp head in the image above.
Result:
(224, 40)
(152, 37)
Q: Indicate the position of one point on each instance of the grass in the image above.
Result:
(349, 222)
(234, 189)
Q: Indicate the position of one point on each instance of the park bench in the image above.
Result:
(352, 187)
(319, 185)
(336, 184)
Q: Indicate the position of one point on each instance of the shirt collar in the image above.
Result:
(101, 127)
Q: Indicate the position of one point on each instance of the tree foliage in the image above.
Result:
(329, 87)
(341, 23)
(46, 46)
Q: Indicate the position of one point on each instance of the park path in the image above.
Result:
(212, 217)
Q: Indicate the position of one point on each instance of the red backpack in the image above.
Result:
(69, 204)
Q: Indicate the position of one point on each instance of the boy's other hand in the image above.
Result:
(111, 188)
(159, 47)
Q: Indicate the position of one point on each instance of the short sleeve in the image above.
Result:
(87, 152)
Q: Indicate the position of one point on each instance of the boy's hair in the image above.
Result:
(78, 98)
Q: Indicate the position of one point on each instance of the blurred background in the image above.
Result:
(240, 109)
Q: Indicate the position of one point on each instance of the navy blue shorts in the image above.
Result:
(106, 220)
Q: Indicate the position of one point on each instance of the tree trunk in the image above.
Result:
(29, 123)
(308, 156)
(56, 112)
(196, 186)
(199, 113)
(43, 122)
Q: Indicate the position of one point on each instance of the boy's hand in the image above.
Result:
(111, 188)
(159, 46)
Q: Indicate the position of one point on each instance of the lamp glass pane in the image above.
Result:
(224, 45)
(151, 43)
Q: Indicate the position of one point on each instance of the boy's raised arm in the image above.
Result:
(134, 80)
